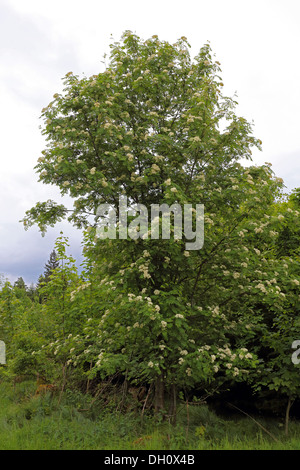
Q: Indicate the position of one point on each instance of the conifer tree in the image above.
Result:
(50, 266)
(20, 283)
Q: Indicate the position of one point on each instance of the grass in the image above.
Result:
(42, 423)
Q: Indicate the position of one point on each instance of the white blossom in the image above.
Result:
(178, 315)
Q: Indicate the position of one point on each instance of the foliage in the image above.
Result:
(156, 128)
(41, 423)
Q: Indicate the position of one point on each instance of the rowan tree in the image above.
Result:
(156, 128)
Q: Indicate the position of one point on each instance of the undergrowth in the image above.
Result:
(74, 421)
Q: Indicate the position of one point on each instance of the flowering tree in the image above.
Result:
(156, 128)
(279, 326)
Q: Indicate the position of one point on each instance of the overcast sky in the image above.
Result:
(256, 42)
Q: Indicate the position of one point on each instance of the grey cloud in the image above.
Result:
(32, 57)
(288, 168)
(25, 253)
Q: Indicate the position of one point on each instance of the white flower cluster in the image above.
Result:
(206, 347)
(152, 364)
(143, 268)
(261, 287)
(155, 169)
(208, 220)
(215, 312)
(226, 353)
(104, 316)
(178, 315)
(80, 288)
(100, 358)
(260, 228)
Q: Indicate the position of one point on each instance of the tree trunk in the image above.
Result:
(173, 405)
(287, 415)
(159, 402)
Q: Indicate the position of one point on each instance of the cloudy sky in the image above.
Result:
(256, 42)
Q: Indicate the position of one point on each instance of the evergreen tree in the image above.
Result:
(43, 279)
(50, 266)
(40, 282)
(20, 283)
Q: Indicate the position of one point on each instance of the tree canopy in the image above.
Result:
(155, 127)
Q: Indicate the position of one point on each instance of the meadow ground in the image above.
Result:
(46, 422)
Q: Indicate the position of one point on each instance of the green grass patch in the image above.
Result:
(29, 422)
